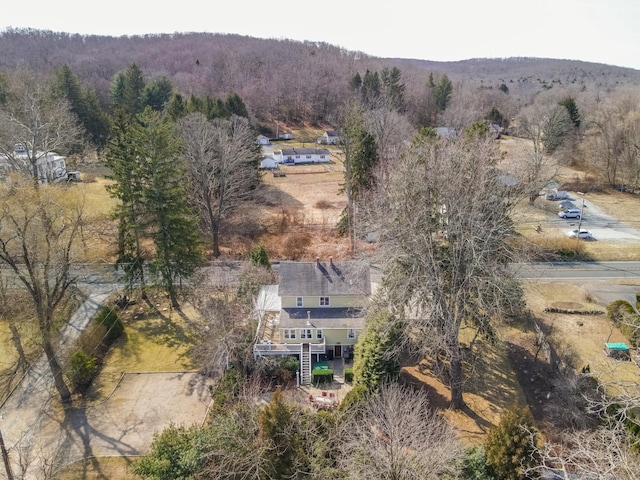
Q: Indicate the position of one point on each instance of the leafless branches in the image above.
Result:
(445, 227)
(221, 158)
(398, 436)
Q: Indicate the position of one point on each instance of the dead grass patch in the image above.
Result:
(491, 387)
(99, 468)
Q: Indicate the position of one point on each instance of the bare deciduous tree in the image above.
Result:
(444, 232)
(604, 453)
(616, 142)
(40, 239)
(222, 158)
(397, 436)
(35, 122)
(533, 166)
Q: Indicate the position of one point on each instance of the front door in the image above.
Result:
(337, 351)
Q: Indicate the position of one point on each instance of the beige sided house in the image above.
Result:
(315, 313)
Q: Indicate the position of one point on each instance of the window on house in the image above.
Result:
(306, 333)
(289, 333)
(319, 334)
(298, 302)
(351, 333)
(324, 301)
(297, 156)
(308, 156)
(321, 156)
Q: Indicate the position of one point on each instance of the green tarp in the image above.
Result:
(617, 346)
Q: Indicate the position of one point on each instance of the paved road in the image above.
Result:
(578, 270)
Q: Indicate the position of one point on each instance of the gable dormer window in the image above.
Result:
(324, 301)
(299, 302)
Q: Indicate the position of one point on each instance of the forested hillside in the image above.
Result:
(294, 81)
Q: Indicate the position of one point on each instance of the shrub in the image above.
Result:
(624, 316)
(258, 256)
(356, 395)
(375, 358)
(177, 452)
(81, 370)
(618, 310)
(278, 369)
(322, 376)
(474, 465)
(348, 375)
(511, 446)
(113, 326)
(295, 244)
(93, 344)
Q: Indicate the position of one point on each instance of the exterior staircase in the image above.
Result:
(305, 365)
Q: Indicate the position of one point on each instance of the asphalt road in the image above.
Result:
(577, 270)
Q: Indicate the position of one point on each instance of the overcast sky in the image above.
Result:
(602, 31)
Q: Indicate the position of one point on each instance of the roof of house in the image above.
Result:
(319, 278)
(331, 133)
(322, 317)
(305, 151)
(268, 299)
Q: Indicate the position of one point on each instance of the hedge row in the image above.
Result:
(91, 348)
(322, 376)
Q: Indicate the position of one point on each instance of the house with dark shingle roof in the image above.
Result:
(318, 314)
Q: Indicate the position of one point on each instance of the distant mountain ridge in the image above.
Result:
(280, 77)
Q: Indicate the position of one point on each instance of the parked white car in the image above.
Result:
(570, 213)
(583, 233)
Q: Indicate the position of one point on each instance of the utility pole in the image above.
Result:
(580, 220)
(5, 458)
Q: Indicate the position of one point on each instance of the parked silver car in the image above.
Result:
(570, 213)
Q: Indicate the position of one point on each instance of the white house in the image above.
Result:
(51, 167)
(290, 156)
(262, 140)
(268, 163)
(329, 138)
(315, 313)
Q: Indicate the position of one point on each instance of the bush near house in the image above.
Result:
(92, 347)
(81, 370)
(348, 375)
(322, 376)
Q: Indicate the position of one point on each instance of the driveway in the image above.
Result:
(41, 438)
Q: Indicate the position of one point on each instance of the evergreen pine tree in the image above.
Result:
(511, 446)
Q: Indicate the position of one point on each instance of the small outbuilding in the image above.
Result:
(262, 140)
(268, 163)
(617, 350)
